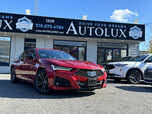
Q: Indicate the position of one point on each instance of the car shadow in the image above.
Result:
(135, 88)
(26, 90)
(112, 81)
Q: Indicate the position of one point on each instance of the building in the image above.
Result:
(143, 52)
(95, 41)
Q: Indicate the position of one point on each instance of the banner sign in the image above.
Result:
(70, 27)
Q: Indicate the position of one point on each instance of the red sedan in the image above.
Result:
(50, 69)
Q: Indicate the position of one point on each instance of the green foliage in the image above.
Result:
(150, 46)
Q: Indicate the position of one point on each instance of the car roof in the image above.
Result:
(49, 49)
(43, 49)
(46, 49)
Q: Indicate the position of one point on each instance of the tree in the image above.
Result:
(150, 46)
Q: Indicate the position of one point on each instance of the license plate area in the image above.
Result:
(92, 82)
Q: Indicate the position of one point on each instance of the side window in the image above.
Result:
(31, 53)
(149, 59)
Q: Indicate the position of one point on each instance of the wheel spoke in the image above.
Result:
(42, 82)
(135, 76)
(40, 76)
(43, 89)
(43, 75)
(132, 77)
(39, 83)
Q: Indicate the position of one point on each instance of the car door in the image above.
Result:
(18, 64)
(30, 65)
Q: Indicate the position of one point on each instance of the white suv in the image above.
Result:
(132, 70)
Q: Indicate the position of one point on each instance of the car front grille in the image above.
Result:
(148, 74)
(84, 73)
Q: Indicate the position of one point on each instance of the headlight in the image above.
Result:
(120, 65)
(55, 67)
(103, 70)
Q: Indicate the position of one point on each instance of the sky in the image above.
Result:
(101, 10)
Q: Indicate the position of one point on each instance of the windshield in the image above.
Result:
(138, 58)
(124, 58)
(55, 54)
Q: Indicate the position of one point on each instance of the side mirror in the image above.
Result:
(147, 61)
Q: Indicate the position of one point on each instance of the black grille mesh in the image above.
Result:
(83, 72)
(148, 74)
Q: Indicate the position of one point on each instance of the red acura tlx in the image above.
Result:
(50, 69)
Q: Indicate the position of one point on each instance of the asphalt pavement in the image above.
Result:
(117, 98)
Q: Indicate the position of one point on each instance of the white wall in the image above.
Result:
(17, 47)
(39, 43)
(133, 49)
(48, 43)
(92, 51)
(44, 43)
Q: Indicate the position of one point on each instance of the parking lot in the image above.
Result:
(116, 98)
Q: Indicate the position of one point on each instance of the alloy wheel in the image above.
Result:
(134, 77)
(41, 82)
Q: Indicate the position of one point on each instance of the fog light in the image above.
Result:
(59, 81)
(57, 84)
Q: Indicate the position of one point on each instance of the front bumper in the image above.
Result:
(73, 82)
(117, 73)
(113, 76)
(148, 76)
(148, 81)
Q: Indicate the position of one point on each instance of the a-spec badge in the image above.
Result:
(135, 32)
(24, 24)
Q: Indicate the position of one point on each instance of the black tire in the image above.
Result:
(13, 77)
(134, 76)
(41, 82)
(117, 79)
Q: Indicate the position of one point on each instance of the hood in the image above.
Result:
(74, 64)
